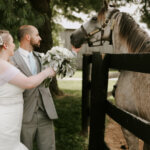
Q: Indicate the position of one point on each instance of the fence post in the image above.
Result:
(85, 93)
(98, 96)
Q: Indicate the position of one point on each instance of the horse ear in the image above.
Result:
(105, 5)
(112, 4)
(104, 8)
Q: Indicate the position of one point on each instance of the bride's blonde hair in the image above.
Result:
(4, 37)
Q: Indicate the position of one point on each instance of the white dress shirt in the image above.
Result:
(24, 53)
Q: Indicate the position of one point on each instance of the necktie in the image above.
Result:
(32, 64)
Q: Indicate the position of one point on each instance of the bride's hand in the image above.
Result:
(51, 72)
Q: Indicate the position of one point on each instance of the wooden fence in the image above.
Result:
(95, 105)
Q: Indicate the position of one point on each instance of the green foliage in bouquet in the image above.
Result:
(62, 60)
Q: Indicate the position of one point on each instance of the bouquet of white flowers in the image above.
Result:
(62, 60)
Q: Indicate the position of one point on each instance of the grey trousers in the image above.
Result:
(40, 129)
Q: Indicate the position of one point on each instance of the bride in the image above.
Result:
(12, 85)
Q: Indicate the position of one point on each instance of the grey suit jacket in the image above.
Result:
(30, 100)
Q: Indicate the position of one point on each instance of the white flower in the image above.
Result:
(62, 60)
(41, 54)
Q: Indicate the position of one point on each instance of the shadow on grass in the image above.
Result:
(68, 126)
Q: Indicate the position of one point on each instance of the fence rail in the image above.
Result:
(95, 105)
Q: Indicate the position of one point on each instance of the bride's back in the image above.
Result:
(9, 93)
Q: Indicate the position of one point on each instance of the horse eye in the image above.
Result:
(94, 19)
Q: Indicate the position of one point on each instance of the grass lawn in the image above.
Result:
(77, 84)
(70, 85)
(68, 126)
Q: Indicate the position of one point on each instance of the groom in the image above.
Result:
(39, 109)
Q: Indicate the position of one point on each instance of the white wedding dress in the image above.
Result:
(11, 110)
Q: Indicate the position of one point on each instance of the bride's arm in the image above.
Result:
(30, 82)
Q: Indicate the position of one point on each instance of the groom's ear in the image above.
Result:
(28, 37)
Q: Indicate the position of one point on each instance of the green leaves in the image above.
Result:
(146, 12)
(15, 13)
(68, 7)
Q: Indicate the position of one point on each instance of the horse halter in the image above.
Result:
(89, 35)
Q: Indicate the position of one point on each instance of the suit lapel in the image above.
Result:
(21, 64)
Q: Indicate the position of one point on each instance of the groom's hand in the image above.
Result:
(75, 49)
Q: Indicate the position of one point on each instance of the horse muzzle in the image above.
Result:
(77, 39)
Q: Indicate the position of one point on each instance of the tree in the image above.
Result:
(145, 11)
(14, 13)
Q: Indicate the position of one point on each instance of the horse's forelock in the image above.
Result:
(102, 14)
(104, 9)
(130, 31)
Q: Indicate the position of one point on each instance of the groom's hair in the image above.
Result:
(23, 30)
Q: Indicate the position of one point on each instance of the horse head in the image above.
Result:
(119, 28)
(97, 30)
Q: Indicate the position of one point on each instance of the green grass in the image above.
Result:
(78, 74)
(111, 84)
(68, 126)
(70, 85)
(77, 84)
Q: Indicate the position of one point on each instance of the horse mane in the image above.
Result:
(137, 39)
(112, 12)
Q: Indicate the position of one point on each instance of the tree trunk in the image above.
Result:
(45, 31)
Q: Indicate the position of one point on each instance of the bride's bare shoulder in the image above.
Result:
(4, 65)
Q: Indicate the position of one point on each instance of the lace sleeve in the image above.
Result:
(8, 74)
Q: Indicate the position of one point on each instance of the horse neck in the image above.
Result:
(119, 44)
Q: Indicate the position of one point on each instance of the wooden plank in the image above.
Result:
(98, 96)
(131, 62)
(138, 126)
(86, 76)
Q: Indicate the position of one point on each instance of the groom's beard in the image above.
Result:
(35, 45)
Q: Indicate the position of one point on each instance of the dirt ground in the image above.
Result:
(114, 137)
